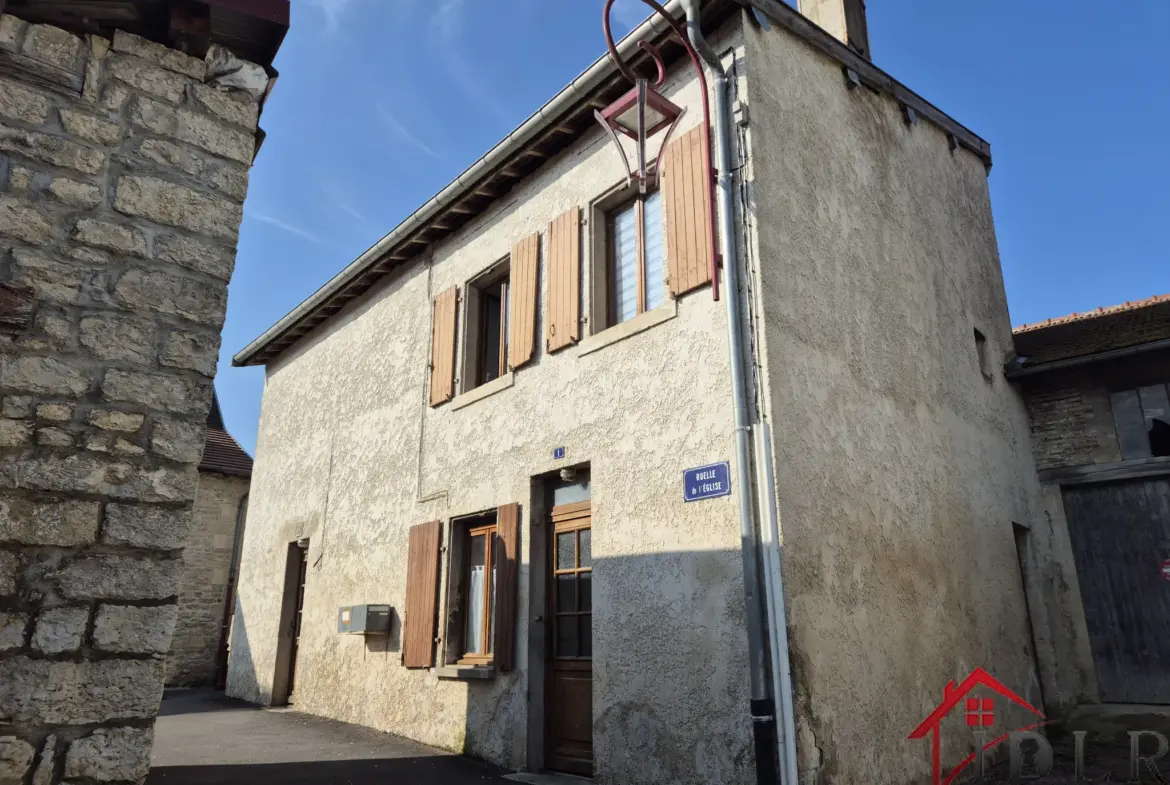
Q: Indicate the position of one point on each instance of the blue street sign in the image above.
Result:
(558, 453)
(707, 482)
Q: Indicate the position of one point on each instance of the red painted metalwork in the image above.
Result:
(630, 74)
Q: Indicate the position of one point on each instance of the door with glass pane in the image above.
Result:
(570, 698)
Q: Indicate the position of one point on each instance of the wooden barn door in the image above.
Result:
(1121, 538)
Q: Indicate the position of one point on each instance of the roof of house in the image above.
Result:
(222, 454)
(251, 29)
(1094, 332)
(554, 127)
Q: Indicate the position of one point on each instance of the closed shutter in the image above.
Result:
(443, 346)
(522, 290)
(564, 281)
(422, 596)
(688, 225)
(507, 568)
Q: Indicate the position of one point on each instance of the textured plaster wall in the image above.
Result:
(900, 467)
(207, 563)
(347, 447)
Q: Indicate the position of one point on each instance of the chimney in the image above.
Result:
(843, 19)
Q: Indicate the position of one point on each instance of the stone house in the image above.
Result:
(535, 356)
(1099, 405)
(127, 131)
(198, 654)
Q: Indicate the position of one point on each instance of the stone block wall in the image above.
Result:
(207, 567)
(123, 170)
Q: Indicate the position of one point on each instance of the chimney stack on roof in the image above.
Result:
(843, 19)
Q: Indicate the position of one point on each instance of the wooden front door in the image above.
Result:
(1120, 535)
(569, 706)
(302, 574)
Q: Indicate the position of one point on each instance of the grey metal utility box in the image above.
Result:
(364, 620)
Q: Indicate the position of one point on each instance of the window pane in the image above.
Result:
(1131, 425)
(489, 342)
(655, 276)
(565, 544)
(473, 631)
(586, 583)
(567, 636)
(566, 593)
(585, 646)
(586, 548)
(625, 260)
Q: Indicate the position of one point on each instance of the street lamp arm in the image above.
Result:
(696, 61)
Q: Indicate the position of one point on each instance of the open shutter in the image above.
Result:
(422, 596)
(522, 290)
(688, 227)
(443, 346)
(507, 566)
(564, 281)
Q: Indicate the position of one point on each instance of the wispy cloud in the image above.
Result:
(630, 13)
(286, 227)
(345, 208)
(446, 32)
(401, 130)
(332, 11)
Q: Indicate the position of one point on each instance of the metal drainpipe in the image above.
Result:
(763, 705)
(768, 737)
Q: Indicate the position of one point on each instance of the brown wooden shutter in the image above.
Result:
(507, 558)
(443, 346)
(422, 595)
(564, 281)
(522, 290)
(688, 227)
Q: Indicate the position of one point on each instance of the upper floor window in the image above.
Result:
(1142, 417)
(637, 279)
(488, 306)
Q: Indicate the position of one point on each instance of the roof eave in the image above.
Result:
(409, 240)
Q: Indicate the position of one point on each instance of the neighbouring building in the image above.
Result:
(1099, 572)
(127, 131)
(198, 654)
(534, 357)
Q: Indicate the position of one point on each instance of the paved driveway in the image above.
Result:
(203, 738)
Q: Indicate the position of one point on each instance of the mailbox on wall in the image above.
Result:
(363, 620)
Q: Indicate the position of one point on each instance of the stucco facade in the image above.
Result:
(869, 258)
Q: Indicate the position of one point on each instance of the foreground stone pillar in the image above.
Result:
(123, 166)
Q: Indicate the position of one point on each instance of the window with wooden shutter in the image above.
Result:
(422, 595)
(507, 563)
(443, 317)
(522, 288)
(687, 214)
(637, 280)
(564, 281)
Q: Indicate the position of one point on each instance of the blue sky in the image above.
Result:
(381, 103)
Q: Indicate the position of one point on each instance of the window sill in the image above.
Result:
(484, 390)
(466, 672)
(619, 332)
